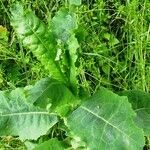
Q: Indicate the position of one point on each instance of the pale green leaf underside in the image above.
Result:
(105, 121)
(141, 104)
(19, 118)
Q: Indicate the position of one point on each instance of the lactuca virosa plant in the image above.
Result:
(102, 121)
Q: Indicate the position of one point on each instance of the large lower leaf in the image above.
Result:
(49, 92)
(141, 104)
(105, 122)
(19, 118)
(35, 36)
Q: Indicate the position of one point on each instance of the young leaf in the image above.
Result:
(63, 26)
(63, 23)
(141, 104)
(53, 93)
(19, 118)
(105, 121)
(35, 36)
(52, 144)
(73, 46)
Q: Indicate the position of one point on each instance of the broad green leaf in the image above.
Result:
(52, 144)
(75, 2)
(35, 36)
(141, 104)
(53, 94)
(19, 118)
(63, 23)
(104, 122)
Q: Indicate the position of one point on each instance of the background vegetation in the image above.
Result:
(114, 47)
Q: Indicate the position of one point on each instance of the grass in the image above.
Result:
(114, 47)
(118, 43)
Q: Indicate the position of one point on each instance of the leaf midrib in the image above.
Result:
(103, 119)
(26, 113)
